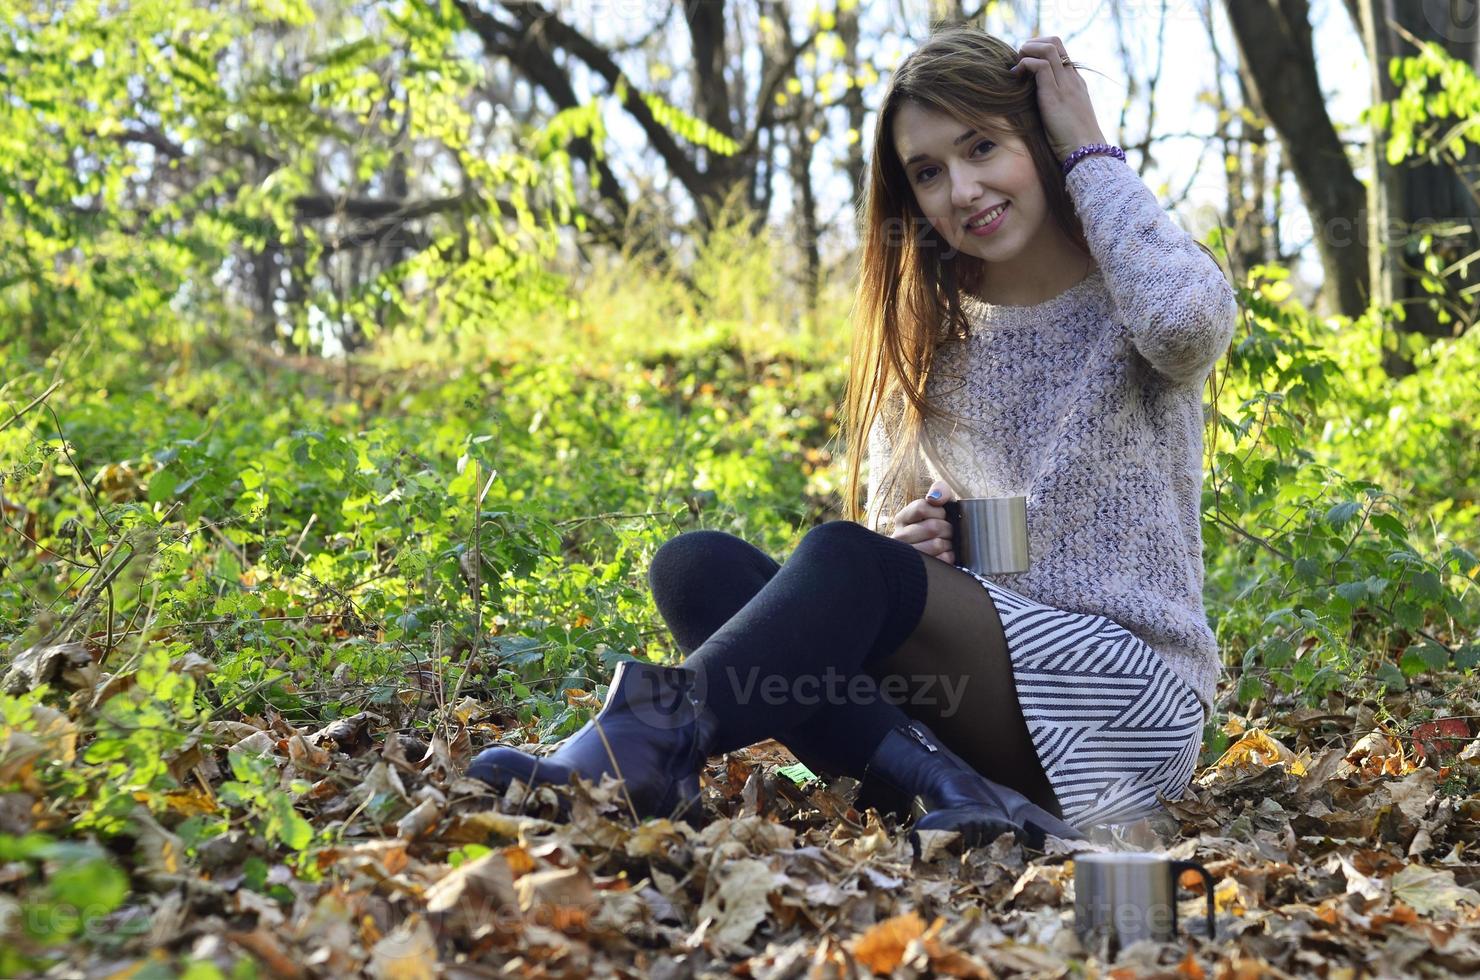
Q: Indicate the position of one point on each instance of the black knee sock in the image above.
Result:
(699, 579)
(790, 659)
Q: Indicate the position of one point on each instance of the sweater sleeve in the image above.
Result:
(1179, 308)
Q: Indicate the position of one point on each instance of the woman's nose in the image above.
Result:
(964, 192)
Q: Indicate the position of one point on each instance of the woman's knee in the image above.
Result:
(699, 555)
(835, 537)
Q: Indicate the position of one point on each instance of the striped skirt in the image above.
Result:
(1113, 725)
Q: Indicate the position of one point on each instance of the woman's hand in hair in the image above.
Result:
(922, 523)
(1063, 98)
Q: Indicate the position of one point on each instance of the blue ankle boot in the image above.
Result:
(656, 739)
(913, 765)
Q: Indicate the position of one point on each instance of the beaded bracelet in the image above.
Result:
(1089, 148)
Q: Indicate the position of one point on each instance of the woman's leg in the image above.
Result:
(844, 596)
(960, 648)
(953, 665)
(699, 580)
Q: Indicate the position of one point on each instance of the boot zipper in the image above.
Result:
(920, 737)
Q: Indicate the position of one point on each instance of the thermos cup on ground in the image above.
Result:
(990, 534)
(1122, 897)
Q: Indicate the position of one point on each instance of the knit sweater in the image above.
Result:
(1090, 405)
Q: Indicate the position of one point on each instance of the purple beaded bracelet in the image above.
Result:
(1088, 149)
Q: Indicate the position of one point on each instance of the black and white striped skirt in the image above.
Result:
(1113, 725)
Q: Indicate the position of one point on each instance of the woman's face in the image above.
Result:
(956, 173)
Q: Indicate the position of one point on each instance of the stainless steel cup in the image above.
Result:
(990, 534)
(1122, 897)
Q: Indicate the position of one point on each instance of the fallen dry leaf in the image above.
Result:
(409, 952)
(882, 945)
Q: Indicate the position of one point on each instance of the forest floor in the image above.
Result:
(1337, 848)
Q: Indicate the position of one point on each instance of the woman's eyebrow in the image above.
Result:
(956, 142)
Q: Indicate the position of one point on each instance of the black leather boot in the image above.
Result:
(911, 764)
(657, 737)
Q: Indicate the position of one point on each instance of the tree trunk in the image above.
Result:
(1252, 237)
(853, 102)
(805, 215)
(708, 41)
(1406, 200)
(1274, 40)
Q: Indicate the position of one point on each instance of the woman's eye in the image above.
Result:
(920, 177)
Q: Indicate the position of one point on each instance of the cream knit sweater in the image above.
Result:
(1090, 405)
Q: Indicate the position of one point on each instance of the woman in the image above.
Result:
(1029, 320)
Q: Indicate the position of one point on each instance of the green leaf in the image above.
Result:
(162, 485)
(351, 52)
(1427, 584)
(1391, 677)
(1408, 615)
(1341, 514)
(93, 883)
(296, 832)
(1423, 656)
(1277, 652)
(1404, 558)
(1391, 526)
(798, 774)
(1249, 688)
(1463, 556)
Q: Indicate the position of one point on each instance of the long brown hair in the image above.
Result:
(910, 280)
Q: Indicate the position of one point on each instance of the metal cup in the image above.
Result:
(1122, 897)
(990, 534)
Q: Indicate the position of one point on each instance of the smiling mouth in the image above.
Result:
(987, 218)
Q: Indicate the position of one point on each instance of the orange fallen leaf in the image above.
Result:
(577, 697)
(1257, 748)
(950, 961)
(519, 860)
(1401, 913)
(190, 802)
(1378, 754)
(882, 946)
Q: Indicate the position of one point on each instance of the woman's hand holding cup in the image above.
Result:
(922, 523)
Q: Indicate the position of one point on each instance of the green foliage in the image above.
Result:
(136, 734)
(150, 156)
(1329, 579)
(255, 789)
(1435, 117)
(77, 885)
(469, 508)
(1435, 110)
(330, 544)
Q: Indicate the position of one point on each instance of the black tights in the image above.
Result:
(856, 634)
